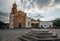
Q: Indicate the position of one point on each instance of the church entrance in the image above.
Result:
(35, 25)
(32, 25)
(19, 25)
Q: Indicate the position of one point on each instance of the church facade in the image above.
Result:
(17, 18)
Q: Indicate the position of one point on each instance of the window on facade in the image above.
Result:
(41, 25)
(12, 24)
(13, 14)
(44, 25)
(28, 23)
(49, 25)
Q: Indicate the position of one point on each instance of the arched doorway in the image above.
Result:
(32, 25)
(49, 26)
(19, 25)
(35, 25)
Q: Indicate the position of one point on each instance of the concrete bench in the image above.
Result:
(23, 39)
(42, 33)
(38, 31)
(42, 36)
(50, 39)
(29, 38)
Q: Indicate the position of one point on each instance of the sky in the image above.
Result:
(44, 10)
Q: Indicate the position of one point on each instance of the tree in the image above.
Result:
(2, 24)
(56, 22)
(38, 16)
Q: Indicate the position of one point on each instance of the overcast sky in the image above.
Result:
(50, 9)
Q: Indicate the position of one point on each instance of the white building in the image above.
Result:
(11, 21)
(35, 23)
(28, 22)
(46, 24)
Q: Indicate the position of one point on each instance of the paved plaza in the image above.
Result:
(13, 34)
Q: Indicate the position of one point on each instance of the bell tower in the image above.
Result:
(14, 8)
(14, 16)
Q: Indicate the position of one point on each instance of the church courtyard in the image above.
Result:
(13, 34)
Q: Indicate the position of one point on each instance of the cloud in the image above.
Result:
(41, 6)
(57, 1)
(6, 5)
(31, 7)
(4, 17)
(28, 4)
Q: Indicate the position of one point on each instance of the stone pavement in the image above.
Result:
(13, 34)
(39, 35)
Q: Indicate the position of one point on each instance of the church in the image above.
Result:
(19, 19)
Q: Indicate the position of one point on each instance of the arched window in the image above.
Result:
(28, 23)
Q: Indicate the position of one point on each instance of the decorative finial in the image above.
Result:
(15, 1)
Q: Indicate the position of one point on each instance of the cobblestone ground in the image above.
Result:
(12, 34)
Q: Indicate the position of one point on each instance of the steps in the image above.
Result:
(39, 36)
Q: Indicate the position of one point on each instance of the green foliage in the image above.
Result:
(2, 24)
(56, 22)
